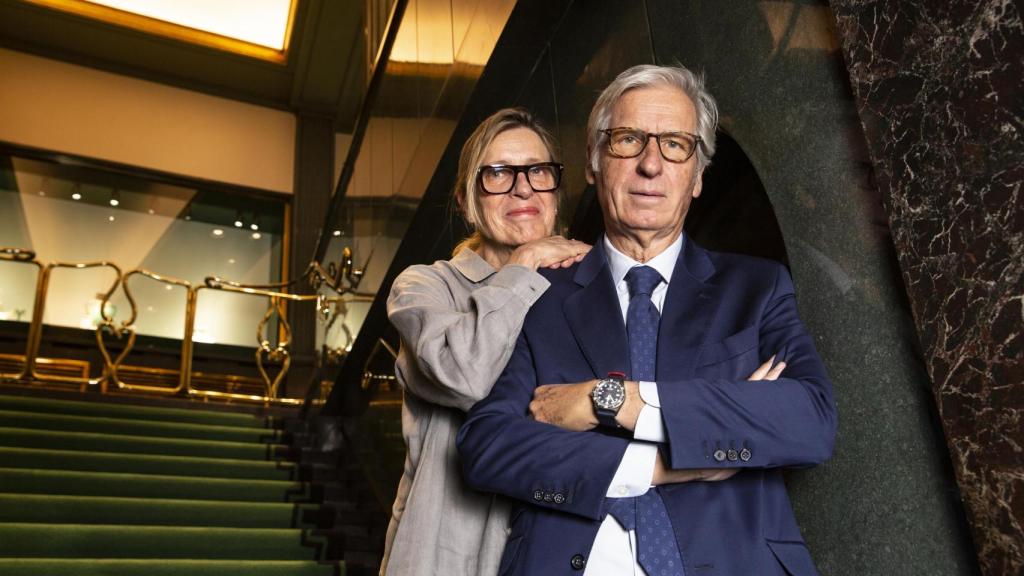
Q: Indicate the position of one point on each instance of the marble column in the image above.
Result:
(940, 96)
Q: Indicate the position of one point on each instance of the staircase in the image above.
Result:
(89, 488)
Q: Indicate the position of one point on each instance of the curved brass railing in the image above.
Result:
(107, 325)
(342, 278)
(22, 256)
(185, 371)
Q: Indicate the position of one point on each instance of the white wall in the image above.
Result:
(57, 106)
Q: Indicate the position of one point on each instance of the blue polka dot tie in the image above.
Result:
(657, 551)
(642, 322)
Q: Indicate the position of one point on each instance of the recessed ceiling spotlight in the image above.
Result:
(168, 287)
(337, 233)
(110, 218)
(254, 226)
(231, 260)
(238, 224)
(217, 232)
(76, 196)
(115, 198)
(151, 211)
(256, 235)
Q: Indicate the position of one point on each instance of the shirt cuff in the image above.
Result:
(523, 281)
(635, 472)
(649, 426)
(649, 394)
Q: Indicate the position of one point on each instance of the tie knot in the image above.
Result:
(642, 280)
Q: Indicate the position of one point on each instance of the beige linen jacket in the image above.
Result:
(459, 320)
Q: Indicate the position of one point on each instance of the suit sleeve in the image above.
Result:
(506, 452)
(789, 422)
(461, 352)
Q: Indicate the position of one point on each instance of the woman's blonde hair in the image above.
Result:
(466, 192)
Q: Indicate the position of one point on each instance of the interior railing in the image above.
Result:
(272, 352)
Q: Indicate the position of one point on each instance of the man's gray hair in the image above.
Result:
(646, 76)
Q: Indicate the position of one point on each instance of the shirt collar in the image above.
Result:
(472, 265)
(665, 263)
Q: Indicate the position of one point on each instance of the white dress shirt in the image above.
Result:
(614, 549)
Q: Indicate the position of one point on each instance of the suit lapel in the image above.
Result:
(595, 317)
(689, 309)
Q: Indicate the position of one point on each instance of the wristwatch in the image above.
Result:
(608, 397)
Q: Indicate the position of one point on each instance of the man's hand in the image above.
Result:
(565, 405)
(768, 372)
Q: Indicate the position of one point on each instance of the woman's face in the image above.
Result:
(521, 215)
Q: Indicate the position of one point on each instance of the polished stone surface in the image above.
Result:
(939, 91)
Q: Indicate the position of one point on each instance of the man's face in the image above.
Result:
(648, 194)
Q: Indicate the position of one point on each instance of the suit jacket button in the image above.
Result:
(733, 455)
(559, 498)
(745, 455)
(578, 562)
(548, 497)
(720, 455)
(538, 495)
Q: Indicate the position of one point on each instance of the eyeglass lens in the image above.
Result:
(500, 179)
(674, 146)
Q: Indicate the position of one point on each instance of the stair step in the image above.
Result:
(86, 461)
(132, 427)
(164, 567)
(152, 413)
(21, 540)
(50, 509)
(32, 481)
(56, 440)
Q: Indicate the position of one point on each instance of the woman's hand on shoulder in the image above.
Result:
(550, 252)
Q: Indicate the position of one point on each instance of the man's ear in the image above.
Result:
(589, 170)
(698, 185)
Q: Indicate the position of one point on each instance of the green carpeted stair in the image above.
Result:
(99, 488)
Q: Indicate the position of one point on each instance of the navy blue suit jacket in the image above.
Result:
(724, 314)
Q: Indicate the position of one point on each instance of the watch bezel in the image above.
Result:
(613, 383)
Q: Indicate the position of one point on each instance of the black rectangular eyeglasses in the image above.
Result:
(501, 178)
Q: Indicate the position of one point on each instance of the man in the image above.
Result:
(695, 381)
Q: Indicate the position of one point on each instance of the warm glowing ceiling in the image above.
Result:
(256, 28)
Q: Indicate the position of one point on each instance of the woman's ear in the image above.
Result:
(588, 169)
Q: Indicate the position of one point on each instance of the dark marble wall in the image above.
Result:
(940, 94)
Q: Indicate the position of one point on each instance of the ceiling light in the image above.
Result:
(231, 260)
(238, 224)
(254, 226)
(217, 232)
(115, 198)
(256, 235)
(110, 218)
(76, 196)
(168, 287)
(337, 233)
(151, 211)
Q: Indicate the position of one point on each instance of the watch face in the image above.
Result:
(609, 394)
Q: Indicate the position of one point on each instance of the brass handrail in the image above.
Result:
(185, 374)
(342, 278)
(22, 256)
(107, 324)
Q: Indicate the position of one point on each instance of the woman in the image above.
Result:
(459, 320)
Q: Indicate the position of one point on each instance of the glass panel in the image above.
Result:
(427, 81)
(75, 214)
